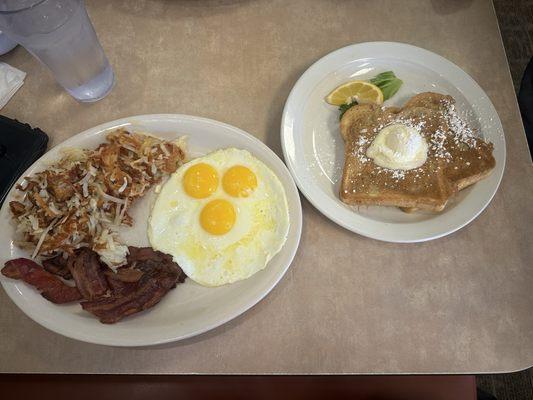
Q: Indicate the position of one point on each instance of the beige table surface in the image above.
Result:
(348, 304)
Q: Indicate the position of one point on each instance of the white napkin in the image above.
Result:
(11, 79)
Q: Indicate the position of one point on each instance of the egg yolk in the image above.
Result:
(239, 181)
(218, 217)
(200, 181)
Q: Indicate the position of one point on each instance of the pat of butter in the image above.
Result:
(398, 146)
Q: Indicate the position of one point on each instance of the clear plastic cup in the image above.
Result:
(60, 34)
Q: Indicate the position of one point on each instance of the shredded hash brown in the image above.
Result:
(82, 199)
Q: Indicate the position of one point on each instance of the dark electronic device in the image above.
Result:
(20, 146)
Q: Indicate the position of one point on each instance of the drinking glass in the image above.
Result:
(60, 34)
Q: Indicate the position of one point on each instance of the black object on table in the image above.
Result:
(20, 146)
(525, 101)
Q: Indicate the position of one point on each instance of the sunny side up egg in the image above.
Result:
(222, 217)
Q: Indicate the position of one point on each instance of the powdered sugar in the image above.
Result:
(360, 151)
(461, 131)
(438, 144)
(396, 174)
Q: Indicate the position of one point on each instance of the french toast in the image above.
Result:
(456, 156)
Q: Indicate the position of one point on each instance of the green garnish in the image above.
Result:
(345, 107)
(388, 83)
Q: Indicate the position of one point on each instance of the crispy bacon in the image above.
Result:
(124, 281)
(50, 286)
(159, 275)
(149, 260)
(58, 266)
(88, 273)
(113, 309)
(121, 288)
(110, 296)
(125, 274)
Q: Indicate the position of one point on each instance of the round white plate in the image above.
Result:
(190, 309)
(314, 150)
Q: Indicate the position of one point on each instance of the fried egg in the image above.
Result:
(222, 217)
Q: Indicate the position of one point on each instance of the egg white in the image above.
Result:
(260, 230)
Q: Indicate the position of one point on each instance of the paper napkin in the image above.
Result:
(11, 79)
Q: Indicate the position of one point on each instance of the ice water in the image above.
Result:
(68, 46)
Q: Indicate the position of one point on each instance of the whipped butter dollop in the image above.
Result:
(398, 146)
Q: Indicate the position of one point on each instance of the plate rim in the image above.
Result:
(134, 120)
(303, 186)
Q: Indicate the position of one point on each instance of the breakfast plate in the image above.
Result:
(190, 309)
(314, 150)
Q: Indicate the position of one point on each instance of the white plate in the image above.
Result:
(190, 309)
(314, 151)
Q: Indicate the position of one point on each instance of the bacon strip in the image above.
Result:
(88, 273)
(159, 275)
(50, 286)
(151, 261)
(113, 309)
(124, 274)
(124, 281)
(58, 266)
(110, 296)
